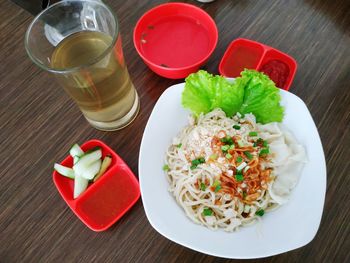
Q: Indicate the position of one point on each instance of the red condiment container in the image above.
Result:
(244, 53)
(105, 201)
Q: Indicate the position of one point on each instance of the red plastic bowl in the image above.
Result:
(244, 53)
(106, 200)
(175, 39)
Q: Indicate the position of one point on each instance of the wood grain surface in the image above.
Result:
(39, 122)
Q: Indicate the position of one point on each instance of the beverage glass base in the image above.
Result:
(119, 123)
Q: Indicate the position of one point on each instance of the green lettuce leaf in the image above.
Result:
(198, 93)
(204, 92)
(253, 92)
(228, 97)
(261, 97)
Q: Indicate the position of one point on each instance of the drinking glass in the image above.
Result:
(79, 43)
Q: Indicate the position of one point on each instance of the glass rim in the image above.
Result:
(72, 69)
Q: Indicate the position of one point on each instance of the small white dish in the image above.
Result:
(291, 226)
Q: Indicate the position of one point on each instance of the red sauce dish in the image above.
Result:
(106, 200)
(244, 53)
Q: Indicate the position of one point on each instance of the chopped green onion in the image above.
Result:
(213, 156)
(253, 134)
(166, 167)
(239, 171)
(239, 159)
(241, 166)
(203, 187)
(260, 142)
(224, 148)
(179, 145)
(237, 127)
(217, 188)
(246, 168)
(232, 146)
(207, 212)
(216, 183)
(227, 140)
(239, 177)
(260, 212)
(196, 162)
(240, 143)
(228, 156)
(264, 151)
(249, 155)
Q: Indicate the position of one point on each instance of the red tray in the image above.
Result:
(244, 53)
(106, 200)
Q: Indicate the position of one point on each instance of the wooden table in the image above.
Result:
(39, 122)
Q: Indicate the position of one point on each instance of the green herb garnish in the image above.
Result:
(179, 145)
(166, 167)
(260, 212)
(228, 156)
(213, 156)
(236, 127)
(216, 183)
(249, 155)
(239, 177)
(264, 151)
(252, 134)
(240, 143)
(207, 212)
(217, 188)
(203, 187)
(228, 140)
(225, 148)
(239, 159)
(196, 162)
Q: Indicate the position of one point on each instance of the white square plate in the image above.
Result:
(291, 226)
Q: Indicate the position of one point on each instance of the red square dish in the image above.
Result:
(106, 200)
(244, 53)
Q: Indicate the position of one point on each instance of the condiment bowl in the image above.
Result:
(244, 53)
(105, 201)
(175, 39)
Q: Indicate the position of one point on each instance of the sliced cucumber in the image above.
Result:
(76, 159)
(80, 185)
(65, 171)
(76, 151)
(105, 164)
(92, 170)
(86, 160)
